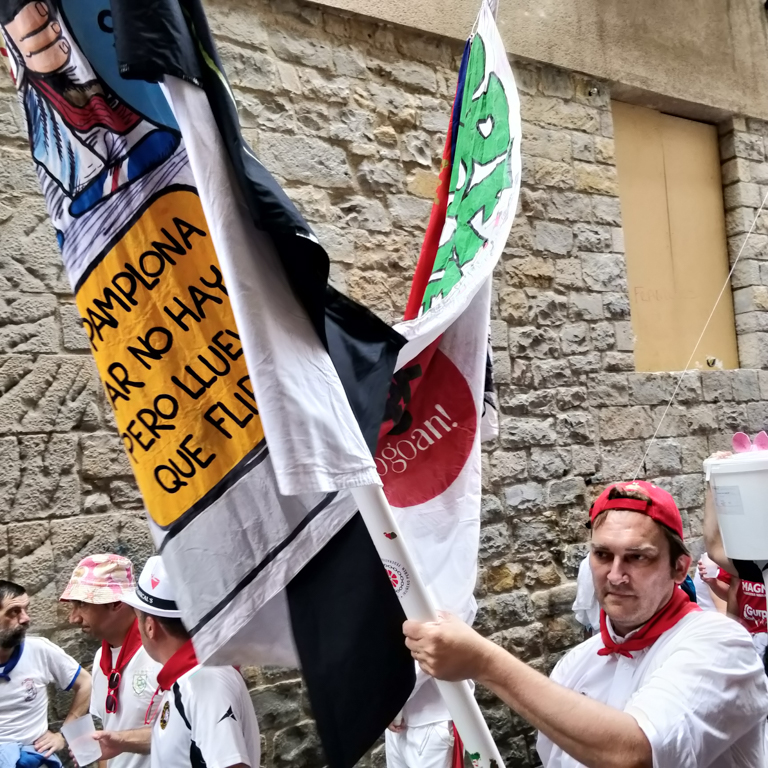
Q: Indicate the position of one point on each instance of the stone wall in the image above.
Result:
(744, 151)
(711, 63)
(350, 116)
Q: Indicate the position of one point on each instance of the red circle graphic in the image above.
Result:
(424, 460)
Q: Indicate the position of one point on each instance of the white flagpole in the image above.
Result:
(465, 712)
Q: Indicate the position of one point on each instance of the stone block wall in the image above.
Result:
(350, 116)
(744, 151)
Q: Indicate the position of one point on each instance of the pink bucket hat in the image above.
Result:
(100, 579)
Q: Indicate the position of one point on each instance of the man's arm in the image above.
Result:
(718, 588)
(720, 604)
(50, 742)
(82, 700)
(712, 537)
(220, 715)
(594, 734)
(114, 743)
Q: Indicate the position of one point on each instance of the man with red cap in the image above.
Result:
(663, 684)
(124, 676)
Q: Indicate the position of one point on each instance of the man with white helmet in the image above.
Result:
(124, 676)
(200, 716)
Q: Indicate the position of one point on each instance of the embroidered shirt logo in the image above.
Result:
(30, 691)
(140, 682)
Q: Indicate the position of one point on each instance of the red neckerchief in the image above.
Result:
(679, 605)
(129, 648)
(182, 661)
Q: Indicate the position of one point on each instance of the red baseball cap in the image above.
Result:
(660, 506)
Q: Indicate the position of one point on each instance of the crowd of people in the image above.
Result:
(158, 706)
(670, 675)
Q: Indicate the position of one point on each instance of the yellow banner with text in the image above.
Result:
(161, 328)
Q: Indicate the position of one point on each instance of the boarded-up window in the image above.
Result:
(674, 232)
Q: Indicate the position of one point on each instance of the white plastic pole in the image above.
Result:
(465, 712)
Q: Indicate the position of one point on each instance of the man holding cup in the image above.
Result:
(124, 676)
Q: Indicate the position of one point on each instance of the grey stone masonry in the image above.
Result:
(744, 154)
(351, 117)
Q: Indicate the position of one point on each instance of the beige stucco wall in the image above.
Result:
(712, 53)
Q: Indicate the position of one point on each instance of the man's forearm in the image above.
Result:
(712, 537)
(719, 588)
(81, 701)
(594, 734)
(136, 741)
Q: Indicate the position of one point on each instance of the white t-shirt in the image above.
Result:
(699, 694)
(426, 705)
(207, 713)
(703, 595)
(137, 684)
(24, 698)
(585, 606)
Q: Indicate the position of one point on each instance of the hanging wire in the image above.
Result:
(701, 337)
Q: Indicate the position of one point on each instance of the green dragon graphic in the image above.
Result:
(481, 172)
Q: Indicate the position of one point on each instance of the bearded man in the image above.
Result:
(27, 666)
(662, 684)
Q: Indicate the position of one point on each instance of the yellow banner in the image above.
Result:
(161, 328)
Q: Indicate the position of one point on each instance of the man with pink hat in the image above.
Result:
(124, 676)
(662, 684)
